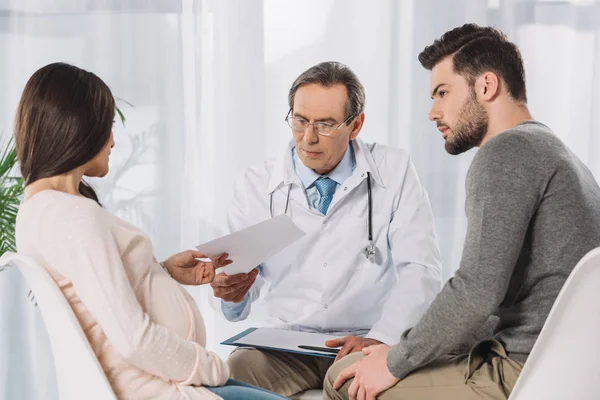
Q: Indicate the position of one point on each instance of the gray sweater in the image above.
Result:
(533, 211)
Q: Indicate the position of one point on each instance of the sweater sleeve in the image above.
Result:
(83, 248)
(504, 187)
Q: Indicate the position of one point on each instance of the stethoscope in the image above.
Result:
(370, 250)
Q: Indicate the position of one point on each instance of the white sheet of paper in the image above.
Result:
(251, 246)
(284, 339)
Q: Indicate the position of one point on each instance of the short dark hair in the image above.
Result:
(475, 50)
(64, 119)
(331, 73)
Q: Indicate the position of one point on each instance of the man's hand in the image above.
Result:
(350, 344)
(187, 270)
(371, 374)
(233, 288)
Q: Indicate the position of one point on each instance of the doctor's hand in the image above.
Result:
(350, 344)
(233, 288)
(187, 270)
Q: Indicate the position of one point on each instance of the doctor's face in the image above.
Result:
(316, 103)
(458, 114)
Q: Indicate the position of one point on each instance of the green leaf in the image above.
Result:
(121, 115)
(11, 192)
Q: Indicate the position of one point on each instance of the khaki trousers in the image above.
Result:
(278, 371)
(485, 373)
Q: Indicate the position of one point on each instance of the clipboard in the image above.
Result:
(274, 339)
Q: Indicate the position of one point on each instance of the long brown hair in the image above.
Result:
(64, 119)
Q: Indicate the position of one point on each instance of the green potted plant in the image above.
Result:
(11, 192)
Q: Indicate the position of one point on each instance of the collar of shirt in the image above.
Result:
(339, 174)
(282, 171)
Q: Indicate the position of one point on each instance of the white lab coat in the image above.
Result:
(324, 282)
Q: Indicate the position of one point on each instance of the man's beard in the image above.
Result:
(470, 129)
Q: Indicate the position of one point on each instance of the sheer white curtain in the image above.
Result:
(208, 82)
(137, 51)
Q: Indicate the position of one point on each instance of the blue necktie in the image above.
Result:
(326, 188)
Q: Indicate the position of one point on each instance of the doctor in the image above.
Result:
(369, 265)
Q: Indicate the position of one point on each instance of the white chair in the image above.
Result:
(316, 394)
(565, 360)
(78, 371)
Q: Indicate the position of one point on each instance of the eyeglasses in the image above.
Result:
(299, 125)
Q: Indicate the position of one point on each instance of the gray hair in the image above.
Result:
(328, 74)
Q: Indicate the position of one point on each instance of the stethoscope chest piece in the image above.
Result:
(370, 251)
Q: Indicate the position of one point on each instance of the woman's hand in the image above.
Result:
(187, 270)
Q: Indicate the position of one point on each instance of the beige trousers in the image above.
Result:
(278, 371)
(485, 373)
